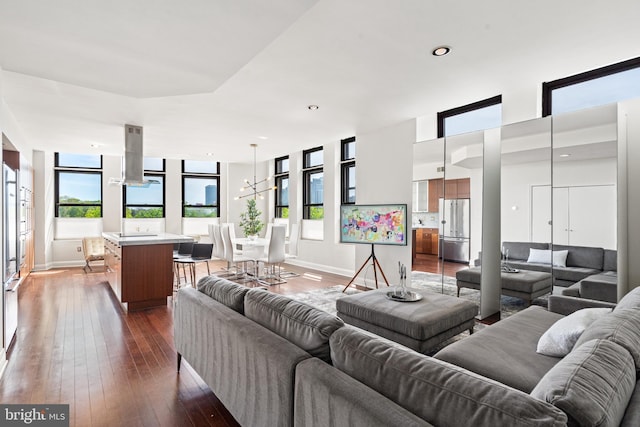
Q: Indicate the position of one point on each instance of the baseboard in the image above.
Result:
(321, 267)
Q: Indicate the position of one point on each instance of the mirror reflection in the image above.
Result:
(584, 203)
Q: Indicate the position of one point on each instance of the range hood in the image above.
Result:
(133, 160)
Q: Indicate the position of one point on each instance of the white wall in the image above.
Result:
(384, 175)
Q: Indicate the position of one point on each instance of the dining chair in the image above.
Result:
(201, 253)
(274, 255)
(215, 234)
(231, 255)
(292, 251)
(184, 250)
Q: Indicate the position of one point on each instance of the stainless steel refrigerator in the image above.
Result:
(454, 230)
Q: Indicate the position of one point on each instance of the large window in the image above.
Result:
(282, 187)
(313, 190)
(485, 114)
(348, 171)
(605, 85)
(200, 189)
(78, 185)
(147, 201)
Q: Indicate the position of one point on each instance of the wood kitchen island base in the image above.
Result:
(140, 268)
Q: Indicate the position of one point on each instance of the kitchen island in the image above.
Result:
(139, 267)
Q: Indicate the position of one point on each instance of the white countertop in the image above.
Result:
(146, 238)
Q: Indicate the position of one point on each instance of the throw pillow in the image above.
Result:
(560, 338)
(560, 258)
(539, 256)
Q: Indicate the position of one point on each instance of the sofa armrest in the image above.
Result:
(599, 290)
(563, 304)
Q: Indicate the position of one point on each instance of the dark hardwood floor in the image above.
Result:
(432, 264)
(75, 345)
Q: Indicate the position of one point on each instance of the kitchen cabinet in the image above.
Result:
(140, 268)
(426, 241)
(449, 189)
(436, 191)
(464, 188)
(420, 196)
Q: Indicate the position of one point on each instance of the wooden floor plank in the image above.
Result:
(76, 345)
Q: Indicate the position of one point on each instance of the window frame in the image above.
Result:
(549, 87)
(307, 171)
(149, 174)
(443, 115)
(201, 175)
(279, 177)
(346, 163)
(79, 170)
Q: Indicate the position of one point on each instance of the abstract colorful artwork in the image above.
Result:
(379, 224)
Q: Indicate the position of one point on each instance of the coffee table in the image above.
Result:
(525, 284)
(420, 325)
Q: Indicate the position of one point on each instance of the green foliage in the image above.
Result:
(284, 213)
(144, 213)
(200, 212)
(316, 212)
(250, 220)
(79, 212)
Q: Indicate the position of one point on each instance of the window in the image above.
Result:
(480, 115)
(282, 187)
(200, 189)
(78, 185)
(147, 201)
(313, 190)
(605, 85)
(348, 171)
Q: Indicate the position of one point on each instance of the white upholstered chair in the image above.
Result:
(93, 249)
(274, 255)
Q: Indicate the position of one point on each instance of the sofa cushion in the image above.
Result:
(306, 326)
(506, 350)
(572, 291)
(520, 250)
(620, 326)
(632, 414)
(224, 291)
(630, 300)
(592, 384)
(562, 335)
(610, 260)
(573, 274)
(436, 391)
(583, 256)
(546, 256)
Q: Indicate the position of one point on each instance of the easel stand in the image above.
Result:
(375, 273)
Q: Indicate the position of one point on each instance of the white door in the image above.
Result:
(541, 213)
(561, 216)
(592, 213)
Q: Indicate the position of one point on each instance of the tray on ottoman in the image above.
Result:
(421, 325)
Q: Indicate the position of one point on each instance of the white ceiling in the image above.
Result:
(204, 76)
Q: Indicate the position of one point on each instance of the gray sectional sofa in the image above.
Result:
(582, 262)
(273, 361)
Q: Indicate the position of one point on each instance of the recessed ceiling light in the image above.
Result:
(441, 51)
(312, 107)
(565, 155)
(263, 137)
(95, 145)
(209, 154)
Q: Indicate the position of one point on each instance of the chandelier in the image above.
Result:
(253, 186)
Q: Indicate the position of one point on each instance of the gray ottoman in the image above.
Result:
(525, 284)
(420, 325)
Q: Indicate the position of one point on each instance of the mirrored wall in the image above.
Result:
(556, 193)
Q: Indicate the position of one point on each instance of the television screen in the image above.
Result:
(379, 224)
